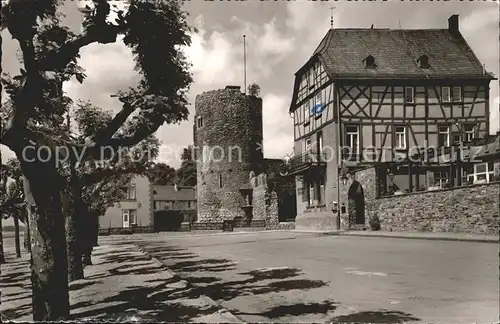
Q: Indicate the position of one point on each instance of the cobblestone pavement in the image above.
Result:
(306, 277)
(122, 284)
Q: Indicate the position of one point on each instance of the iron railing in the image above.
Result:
(306, 160)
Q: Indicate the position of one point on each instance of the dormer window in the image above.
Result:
(369, 62)
(424, 61)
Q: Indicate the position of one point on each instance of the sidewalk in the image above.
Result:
(122, 284)
(425, 236)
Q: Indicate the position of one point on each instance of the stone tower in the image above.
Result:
(228, 139)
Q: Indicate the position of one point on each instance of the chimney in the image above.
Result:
(453, 25)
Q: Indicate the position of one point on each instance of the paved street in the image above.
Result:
(289, 276)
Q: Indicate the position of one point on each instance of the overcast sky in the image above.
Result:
(280, 37)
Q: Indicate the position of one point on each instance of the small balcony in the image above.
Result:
(303, 162)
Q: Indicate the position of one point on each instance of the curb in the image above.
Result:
(435, 238)
(226, 315)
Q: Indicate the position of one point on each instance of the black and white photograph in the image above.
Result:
(250, 161)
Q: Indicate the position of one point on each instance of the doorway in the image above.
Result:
(356, 204)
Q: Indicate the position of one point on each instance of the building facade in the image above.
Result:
(393, 101)
(134, 211)
(173, 205)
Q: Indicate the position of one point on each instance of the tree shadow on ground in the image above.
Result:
(261, 281)
(295, 310)
(82, 284)
(381, 316)
(162, 302)
(17, 312)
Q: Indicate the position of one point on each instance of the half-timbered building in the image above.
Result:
(389, 99)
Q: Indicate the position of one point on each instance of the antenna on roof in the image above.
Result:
(245, 63)
(331, 16)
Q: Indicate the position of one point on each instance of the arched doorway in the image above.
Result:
(356, 204)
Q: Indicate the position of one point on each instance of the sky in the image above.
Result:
(280, 38)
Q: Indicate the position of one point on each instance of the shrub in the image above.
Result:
(375, 223)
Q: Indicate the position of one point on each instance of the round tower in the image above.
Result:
(228, 141)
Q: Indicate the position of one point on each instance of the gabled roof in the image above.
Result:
(169, 193)
(396, 52)
(342, 52)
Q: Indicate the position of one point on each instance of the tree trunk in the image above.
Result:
(73, 237)
(88, 236)
(2, 255)
(27, 233)
(17, 239)
(49, 263)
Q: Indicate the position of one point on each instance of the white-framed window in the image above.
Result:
(483, 172)
(456, 139)
(444, 135)
(199, 122)
(310, 186)
(400, 136)
(131, 191)
(445, 94)
(440, 178)
(320, 142)
(352, 138)
(133, 216)
(307, 144)
(457, 94)
(409, 95)
(321, 197)
(469, 131)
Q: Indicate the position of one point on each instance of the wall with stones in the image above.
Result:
(367, 178)
(227, 150)
(468, 209)
(265, 202)
(471, 209)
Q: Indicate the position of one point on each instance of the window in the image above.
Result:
(444, 135)
(457, 138)
(409, 95)
(457, 94)
(125, 216)
(220, 181)
(321, 191)
(483, 172)
(131, 192)
(199, 122)
(468, 133)
(311, 193)
(445, 94)
(400, 137)
(440, 178)
(352, 138)
(307, 145)
(133, 216)
(424, 61)
(320, 142)
(369, 62)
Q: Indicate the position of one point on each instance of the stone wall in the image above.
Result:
(231, 121)
(467, 209)
(265, 202)
(471, 209)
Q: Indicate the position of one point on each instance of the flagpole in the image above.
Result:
(245, 63)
